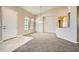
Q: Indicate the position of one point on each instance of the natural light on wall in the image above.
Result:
(65, 21)
(32, 24)
(26, 23)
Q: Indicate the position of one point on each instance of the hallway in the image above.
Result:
(47, 42)
(53, 26)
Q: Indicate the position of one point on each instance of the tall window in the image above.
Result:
(26, 23)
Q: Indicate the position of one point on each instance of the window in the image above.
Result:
(26, 23)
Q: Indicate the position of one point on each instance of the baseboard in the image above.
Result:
(19, 35)
(29, 33)
(77, 42)
(72, 41)
(68, 40)
(10, 39)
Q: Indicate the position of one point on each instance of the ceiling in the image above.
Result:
(36, 9)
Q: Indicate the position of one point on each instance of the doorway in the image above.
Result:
(9, 23)
(50, 24)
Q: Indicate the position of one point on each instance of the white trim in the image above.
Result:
(11, 45)
(1, 41)
(68, 40)
(77, 42)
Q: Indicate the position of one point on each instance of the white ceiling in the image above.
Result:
(36, 9)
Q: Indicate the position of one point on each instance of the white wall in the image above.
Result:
(39, 25)
(50, 24)
(51, 15)
(70, 33)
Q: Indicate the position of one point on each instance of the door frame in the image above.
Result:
(10, 23)
(0, 24)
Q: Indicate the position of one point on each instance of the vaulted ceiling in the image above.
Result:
(36, 9)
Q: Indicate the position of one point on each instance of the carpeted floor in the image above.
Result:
(47, 42)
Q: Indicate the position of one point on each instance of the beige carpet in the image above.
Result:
(47, 42)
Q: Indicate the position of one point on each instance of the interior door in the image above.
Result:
(0, 25)
(50, 24)
(9, 23)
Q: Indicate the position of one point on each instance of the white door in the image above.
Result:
(50, 24)
(9, 23)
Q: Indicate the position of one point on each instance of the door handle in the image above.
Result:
(4, 27)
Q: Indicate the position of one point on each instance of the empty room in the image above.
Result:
(39, 29)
